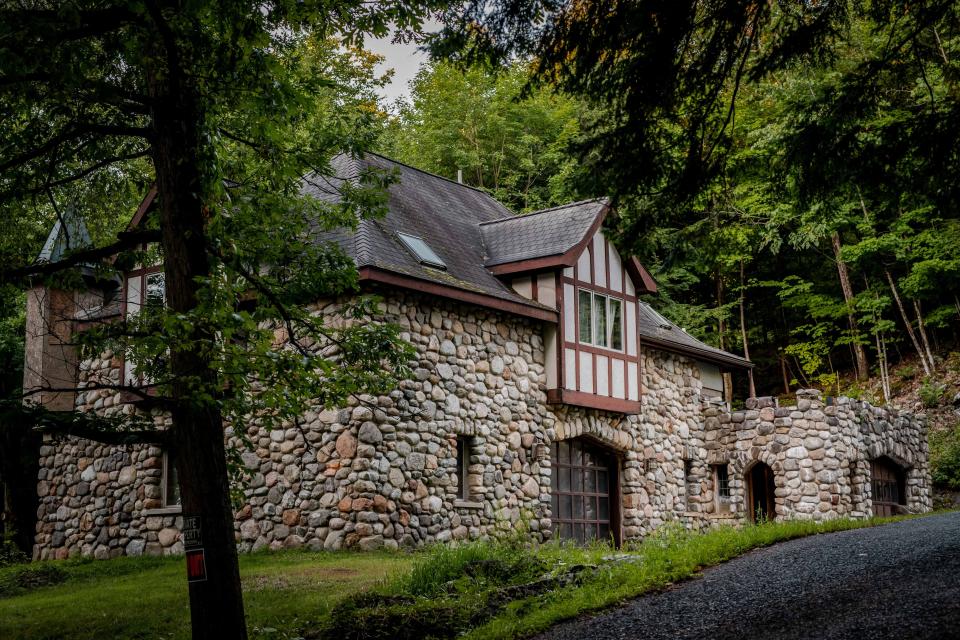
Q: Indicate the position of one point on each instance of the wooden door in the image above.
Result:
(585, 492)
(760, 494)
(888, 487)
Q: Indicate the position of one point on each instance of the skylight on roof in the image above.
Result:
(421, 250)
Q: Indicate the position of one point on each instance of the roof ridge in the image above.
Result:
(436, 175)
(539, 211)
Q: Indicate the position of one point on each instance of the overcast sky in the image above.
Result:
(404, 59)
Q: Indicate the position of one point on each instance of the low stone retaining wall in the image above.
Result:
(820, 452)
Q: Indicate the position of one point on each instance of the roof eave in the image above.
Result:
(532, 310)
(726, 359)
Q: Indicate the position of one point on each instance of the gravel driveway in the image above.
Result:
(895, 581)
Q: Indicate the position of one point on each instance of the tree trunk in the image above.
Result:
(906, 322)
(862, 366)
(197, 433)
(721, 332)
(783, 370)
(923, 334)
(743, 332)
(884, 373)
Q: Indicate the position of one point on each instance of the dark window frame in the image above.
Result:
(463, 467)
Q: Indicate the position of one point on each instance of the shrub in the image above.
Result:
(906, 372)
(945, 458)
(479, 563)
(931, 393)
(10, 554)
(22, 578)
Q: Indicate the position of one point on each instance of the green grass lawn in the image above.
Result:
(147, 597)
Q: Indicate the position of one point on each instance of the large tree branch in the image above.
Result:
(119, 437)
(59, 182)
(126, 240)
(56, 26)
(71, 132)
(115, 430)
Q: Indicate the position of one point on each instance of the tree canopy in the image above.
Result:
(227, 110)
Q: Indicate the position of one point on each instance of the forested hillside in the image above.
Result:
(824, 245)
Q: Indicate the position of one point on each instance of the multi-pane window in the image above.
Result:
(145, 291)
(600, 319)
(156, 290)
(582, 488)
(722, 481)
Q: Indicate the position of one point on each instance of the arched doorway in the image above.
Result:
(888, 485)
(585, 491)
(760, 493)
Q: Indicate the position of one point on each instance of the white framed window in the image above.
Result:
(601, 320)
(156, 289)
(144, 289)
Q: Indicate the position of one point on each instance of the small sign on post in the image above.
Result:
(193, 545)
(192, 535)
(196, 566)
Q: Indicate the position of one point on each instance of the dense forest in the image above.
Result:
(824, 246)
(787, 171)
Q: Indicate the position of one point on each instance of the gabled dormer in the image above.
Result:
(561, 258)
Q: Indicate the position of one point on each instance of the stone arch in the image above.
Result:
(742, 461)
(739, 468)
(600, 429)
(886, 448)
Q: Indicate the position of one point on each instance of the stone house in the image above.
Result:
(546, 394)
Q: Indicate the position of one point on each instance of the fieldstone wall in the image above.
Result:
(383, 471)
(819, 452)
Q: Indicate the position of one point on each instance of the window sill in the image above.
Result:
(592, 401)
(467, 504)
(163, 511)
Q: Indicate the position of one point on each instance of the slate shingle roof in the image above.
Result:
(471, 231)
(657, 330)
(549, 232)
(445, 214)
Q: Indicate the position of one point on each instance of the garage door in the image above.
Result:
(584, 492)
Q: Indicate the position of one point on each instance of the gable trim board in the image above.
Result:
(382, 276)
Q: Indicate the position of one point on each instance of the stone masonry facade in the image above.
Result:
(384, 472)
